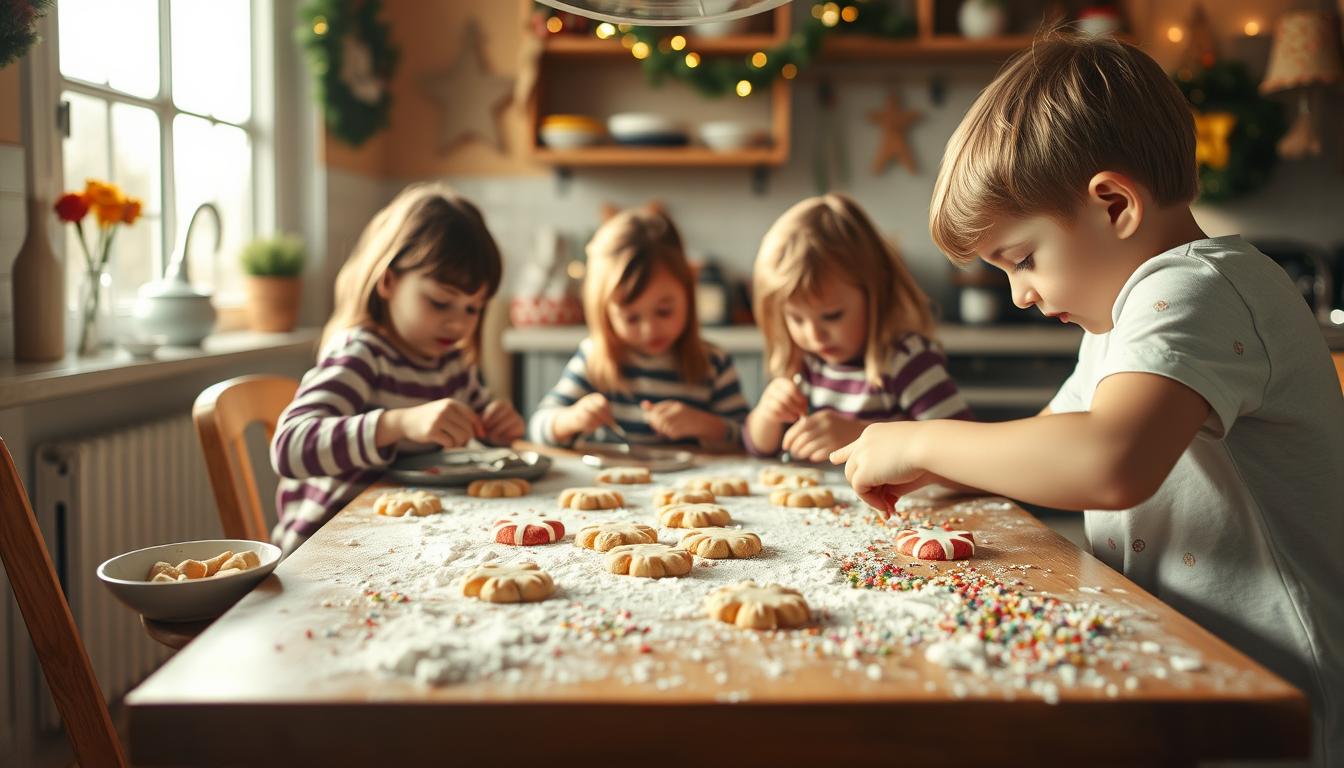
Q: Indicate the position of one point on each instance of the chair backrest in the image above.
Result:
(222, 414)
(1339, 368)
(55, 637)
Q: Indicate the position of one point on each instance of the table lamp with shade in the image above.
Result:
(1305, 58)
(664, 12)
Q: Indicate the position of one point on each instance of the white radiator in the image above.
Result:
(102, 495)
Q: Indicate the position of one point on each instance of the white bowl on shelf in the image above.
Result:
(563, 138)
(191, 600)
(729, 135)
(641, 126)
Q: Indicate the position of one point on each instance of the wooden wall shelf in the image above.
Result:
(562, 51)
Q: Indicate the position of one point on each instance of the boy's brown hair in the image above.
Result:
(1062, 111)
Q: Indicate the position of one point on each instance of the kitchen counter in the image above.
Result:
(957, 339)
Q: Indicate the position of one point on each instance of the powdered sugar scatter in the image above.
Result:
(404, 614)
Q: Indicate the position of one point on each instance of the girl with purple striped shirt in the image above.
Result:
(397, 370)
(848, 334)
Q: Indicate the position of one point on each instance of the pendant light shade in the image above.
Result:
(663, 13)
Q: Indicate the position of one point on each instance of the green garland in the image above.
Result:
(18, 27)
(715, 76)
(1252, 145)
(326, 23)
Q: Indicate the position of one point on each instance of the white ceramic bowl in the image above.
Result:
(634, 124)
(191, 600)
(727, 135)
(567, 138)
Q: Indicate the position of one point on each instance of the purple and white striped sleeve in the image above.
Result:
(921, 385)
(326, 431)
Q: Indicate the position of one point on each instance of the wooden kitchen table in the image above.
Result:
(259, 687)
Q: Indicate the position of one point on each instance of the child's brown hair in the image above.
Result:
(427, 226)
(831, 238)
(625, 252)
(1060, 112)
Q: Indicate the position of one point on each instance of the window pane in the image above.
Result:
(132, 135)
(212, 58)
(111, 43)
(136, 168)
(213, 163)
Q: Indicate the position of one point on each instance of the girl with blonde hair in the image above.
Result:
(848, 334)
(397, 367)
(643, 374)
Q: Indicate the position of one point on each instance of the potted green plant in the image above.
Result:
(273, 266)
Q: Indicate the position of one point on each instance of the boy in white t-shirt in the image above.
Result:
(1203, 429)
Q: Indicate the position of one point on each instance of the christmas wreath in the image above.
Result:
(352, 58)
(1236, 129)
(18, 28)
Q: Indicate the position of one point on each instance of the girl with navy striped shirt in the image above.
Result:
(643, 370)
(848, 334)
(397, 370)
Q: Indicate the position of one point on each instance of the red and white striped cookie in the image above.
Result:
(527, 531)
(936, 543)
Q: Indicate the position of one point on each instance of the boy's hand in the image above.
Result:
(814, 436)
(447, 422)
(880, 465)
(782, 402)
(584, 417)
(677, 420)
(502, 423)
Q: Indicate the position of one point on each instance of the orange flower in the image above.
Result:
(71, 207)
(108, 214)
(131, 211)
(101, 193)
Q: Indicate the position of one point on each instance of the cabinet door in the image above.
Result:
(537, 373)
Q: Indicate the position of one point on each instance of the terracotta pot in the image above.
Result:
(273, 303)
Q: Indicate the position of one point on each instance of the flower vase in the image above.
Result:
(95, 311)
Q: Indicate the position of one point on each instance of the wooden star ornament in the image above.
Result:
(470, 97)
(894, 122)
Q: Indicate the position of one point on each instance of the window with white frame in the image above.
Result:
(161, 102)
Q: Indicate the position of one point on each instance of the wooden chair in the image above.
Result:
(61, 653)
(1339, 368)
(222, 413)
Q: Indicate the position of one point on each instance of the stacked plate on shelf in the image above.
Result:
(646, 129)
(570, 131)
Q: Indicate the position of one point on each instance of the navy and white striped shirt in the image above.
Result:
(654, 378)
(324, 448)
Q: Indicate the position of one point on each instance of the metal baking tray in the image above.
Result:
(603, 455)
(461, 466)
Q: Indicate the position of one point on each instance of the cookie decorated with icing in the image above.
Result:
(527, 532)
(936, 543)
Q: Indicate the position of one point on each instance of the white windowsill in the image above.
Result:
(24, 383)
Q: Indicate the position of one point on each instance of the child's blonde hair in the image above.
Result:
(831, 238)
(1060, 112)
(427, 226)
(626, 251)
